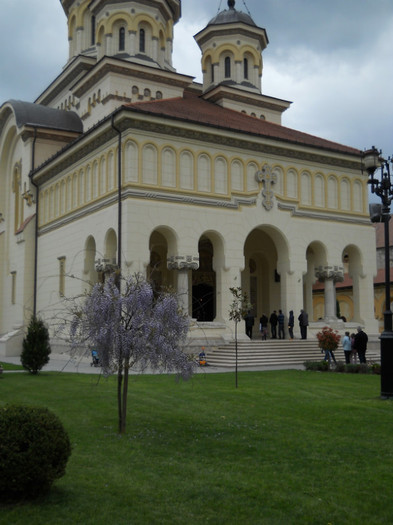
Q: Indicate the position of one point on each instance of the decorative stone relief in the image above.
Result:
(104, 265)
(29, 198)
(335, 273)
(267, 177)
(183, 262)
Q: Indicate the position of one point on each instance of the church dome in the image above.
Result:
(231, 16)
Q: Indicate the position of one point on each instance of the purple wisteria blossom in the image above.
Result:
(132, 328)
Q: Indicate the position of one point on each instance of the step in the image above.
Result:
(272, 352)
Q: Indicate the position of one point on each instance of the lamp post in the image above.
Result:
(383, 187)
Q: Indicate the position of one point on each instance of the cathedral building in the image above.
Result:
(125, 163)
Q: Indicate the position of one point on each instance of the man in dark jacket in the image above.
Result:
(263, 326)
(249, 319)
(273, 324)
(360, 344)
(303, 323)
(281, 320)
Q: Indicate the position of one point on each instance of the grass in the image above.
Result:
(10, 366)
(285, 447)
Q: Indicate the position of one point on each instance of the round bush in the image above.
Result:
(34, 450)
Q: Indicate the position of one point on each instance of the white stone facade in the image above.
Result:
(209, 196)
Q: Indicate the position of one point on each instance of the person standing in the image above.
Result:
(249, 319)
(353, 353)
(347, 346)
(273, 324)
(281, 320)
(329, 355)
(263, 326)
(360, 344)
(303, 323)
(291, 324)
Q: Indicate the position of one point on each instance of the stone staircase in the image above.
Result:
(274, 353)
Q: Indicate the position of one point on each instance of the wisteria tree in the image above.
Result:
(237, 310)
(130, 328)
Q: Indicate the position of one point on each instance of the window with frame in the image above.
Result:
(122, 39)
(13, 287)
(142, 40)
(245, 68)
(62, 261)
(227, 64)
(93, 30)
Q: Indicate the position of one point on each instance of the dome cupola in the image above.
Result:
(134, 30)
(232, 46)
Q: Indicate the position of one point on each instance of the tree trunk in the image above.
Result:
(125, 392)
(119, 395)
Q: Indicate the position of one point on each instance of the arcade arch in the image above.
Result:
(90, 258)
(316, 257)
(162, 243)
(353, 267)
(207, 279)
(264, 278)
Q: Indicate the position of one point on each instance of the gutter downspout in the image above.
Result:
(37, 199)
(119, 176)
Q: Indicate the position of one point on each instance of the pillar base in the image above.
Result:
(387, 364)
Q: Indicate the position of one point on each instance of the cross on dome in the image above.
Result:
(231, 4)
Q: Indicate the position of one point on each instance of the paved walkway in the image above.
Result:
(81, 365)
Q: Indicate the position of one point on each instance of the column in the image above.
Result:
(292, 293)
(231, 278)
(183, 264)
(79, 40)
(132, 43)
(154, 43)
(330, 275)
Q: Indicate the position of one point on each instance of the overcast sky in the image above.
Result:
(332, 59)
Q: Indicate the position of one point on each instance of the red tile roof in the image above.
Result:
(193, 108)
(380, 278)
(380, 233)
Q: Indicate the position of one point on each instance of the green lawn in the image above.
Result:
(285, 447)
(10, 366)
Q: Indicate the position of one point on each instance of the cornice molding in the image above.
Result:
(130, 193)
(308, 214)
(156, 125)
(128, 69)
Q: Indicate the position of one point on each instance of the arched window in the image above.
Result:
(18, 201)
(122, 39)
(227, 67)
(245, 67)
(212, 72)
(93, 31)
(142, 41)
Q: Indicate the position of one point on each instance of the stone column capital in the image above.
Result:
(183, 262)
(333, 273)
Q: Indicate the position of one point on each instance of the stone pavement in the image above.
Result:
(82, 365)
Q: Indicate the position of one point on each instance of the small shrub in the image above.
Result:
(319, 366)
(328, 339)
(376, 368)
(363, 368)
(34, 450)
(36, 347)
(351, 369)
(340, 366)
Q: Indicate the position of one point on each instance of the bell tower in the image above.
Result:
(134, 30)
(232, 46)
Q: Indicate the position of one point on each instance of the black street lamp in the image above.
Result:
(383, 187)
